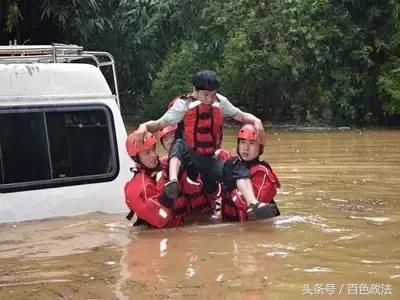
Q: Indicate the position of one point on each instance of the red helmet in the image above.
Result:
(166, 130)
(149, 141)
(248, 132)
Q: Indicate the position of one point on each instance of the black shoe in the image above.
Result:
(171, 189)
(262, 211)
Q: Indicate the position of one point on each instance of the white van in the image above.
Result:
(62, 138)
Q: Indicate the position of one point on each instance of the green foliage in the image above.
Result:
(389, 87)
(12, 16)
(315, 61)
(140, 37)
(174, 78)
(79, 19)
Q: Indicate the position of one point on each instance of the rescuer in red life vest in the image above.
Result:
(144, 194)
(264, 180)
(190, 181)
(201, 115)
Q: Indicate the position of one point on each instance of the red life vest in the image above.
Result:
(181, 207)
(142, 196)
(196, 198)
(203, 127)
(193, 200)
(233, 207)
(264, 181)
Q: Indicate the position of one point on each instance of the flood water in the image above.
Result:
(338, 237)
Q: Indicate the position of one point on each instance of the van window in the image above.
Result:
(24, 149)
(56, 146)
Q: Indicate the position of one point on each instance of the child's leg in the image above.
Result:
(237, 175)
(179, 159)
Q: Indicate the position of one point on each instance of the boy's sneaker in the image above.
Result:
(171, 189)
(262, 211)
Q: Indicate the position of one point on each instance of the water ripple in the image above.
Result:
(278, 253)
(375, 220)
(339, 200)
(116, 226)
(316, 221)
(365, 261)
(35, 282)
(277, 249)
(348, 237)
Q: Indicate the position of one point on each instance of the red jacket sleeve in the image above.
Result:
(142, 197)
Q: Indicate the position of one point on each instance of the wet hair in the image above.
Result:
(205, 80)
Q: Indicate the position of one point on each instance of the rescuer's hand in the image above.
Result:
(138, 135)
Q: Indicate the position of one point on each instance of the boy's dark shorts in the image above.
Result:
(211, 169)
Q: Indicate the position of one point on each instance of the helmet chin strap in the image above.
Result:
(149, 171)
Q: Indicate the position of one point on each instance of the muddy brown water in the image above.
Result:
(338, 237)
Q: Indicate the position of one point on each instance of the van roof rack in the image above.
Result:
(57, 53)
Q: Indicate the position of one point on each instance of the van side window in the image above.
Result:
(45, 147)
(24, 149)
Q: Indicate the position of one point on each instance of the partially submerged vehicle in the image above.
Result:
(62, 137)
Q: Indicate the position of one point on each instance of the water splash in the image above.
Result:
(318, 270)
(220, 278)
(116, 227)
(190, 272)
(163, 247)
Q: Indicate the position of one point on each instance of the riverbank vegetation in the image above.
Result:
(287, 61)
